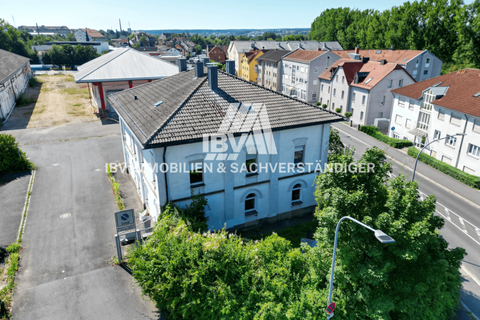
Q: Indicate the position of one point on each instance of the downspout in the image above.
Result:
(165, 173)
(461, 143)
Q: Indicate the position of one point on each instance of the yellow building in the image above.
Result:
(248, 63)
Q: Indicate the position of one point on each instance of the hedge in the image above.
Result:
(12, 159)
(468, 179)
(396, 143)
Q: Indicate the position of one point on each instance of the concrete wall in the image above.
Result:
(12, 89)
(226, 191)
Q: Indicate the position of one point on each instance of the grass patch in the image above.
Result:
(46, 89)
(77, 105)
(70, 78)
(462, 176)
(72, 91)
(24, 100)
(396, 143)
(294, 234)
(115, 188)
(39, 109)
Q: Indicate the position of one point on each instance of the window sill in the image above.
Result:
(453, 147)
(473, 156)
(251, 213)
(296, 203)
(197, 185)
(251, 174)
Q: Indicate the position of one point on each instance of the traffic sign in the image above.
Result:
(393, 128)
(331, 307)
(125, 220)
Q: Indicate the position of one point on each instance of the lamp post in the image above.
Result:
(379, 234)
(418, 155)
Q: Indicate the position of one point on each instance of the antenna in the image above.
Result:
(13, 21)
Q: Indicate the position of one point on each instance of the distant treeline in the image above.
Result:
(449, 29)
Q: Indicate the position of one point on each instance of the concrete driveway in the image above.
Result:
(69, 231)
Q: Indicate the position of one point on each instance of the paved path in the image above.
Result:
(64, 272)
(13, 191)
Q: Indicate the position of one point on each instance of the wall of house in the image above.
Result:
(226, 191)
(356, 105)
(408, 109)
(12, 89)
(334, 97)
(270, 75)
(418, 69)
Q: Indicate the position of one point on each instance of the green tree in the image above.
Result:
(377, 281)
(335, 144)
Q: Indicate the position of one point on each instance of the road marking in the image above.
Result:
(468, 310)
(470, 275)
(419, 174)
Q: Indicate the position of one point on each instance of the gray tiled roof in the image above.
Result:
(190, 108)
(10, 63)
(273, 55)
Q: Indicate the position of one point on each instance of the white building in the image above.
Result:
(120, 69)
(269, 69)
(89, 35)
(237, 47)
(14, 75)
(362, 88)
(164, 124)
(300, 72)
(439, 108)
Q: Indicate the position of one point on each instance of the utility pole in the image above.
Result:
(120, 22)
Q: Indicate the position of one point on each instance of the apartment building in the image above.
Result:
(269, 69)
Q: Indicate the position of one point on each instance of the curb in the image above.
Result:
(26, 206)
(470, 313)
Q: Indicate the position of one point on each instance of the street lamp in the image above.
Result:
(379, 234)
(418, 155)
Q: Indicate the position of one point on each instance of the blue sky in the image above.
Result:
(150, 14)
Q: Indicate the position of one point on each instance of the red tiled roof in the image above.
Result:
(462, 86)
(394, 56)
(376, 72)
(350, 67)
(304, 55)
(93, 33)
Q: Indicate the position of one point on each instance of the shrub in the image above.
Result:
(12, 158)
(396, 143)
(338, 110)
(193, 214)
(33, 82)
(24, 100)
(468, 179)
(324, 106)
(318, 103)
(14, 248)
(222, 276)
(348, 114)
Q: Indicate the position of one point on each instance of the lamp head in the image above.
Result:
(383, 237)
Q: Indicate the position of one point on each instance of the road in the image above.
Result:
(64, 271)
(461, 214)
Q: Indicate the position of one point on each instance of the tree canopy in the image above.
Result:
(16, 41)
(447, 28)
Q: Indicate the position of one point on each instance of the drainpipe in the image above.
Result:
(461, 142)
(166, 182)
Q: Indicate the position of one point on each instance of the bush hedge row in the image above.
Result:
(396, 143)
(468, 179)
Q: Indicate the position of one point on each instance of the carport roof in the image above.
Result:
(10, 63)
(124, 64)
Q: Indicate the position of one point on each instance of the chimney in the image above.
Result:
(357, 50)
(182, 64)
(365, 59)
(230, 66)
(198, 69)
(205, 61)
(383, 62)
(391, 48)
(213, 77)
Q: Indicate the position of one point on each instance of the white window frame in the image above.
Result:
(451, 141)
(473, 150)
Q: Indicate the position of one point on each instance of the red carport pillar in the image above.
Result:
(130, 84)
(102, 96)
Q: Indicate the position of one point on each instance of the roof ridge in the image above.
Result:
(107, 62)
(164, 123)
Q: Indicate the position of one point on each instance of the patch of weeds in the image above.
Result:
(33, 82)
(69, 78)
(113, 261)
(39, 109)
(24, 100)
(115, 188)
(77, 105)
(72, 91)
(12, 268)
(46, 89)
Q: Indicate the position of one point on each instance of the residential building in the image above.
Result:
(269, 69)
(420, 64)
(14, 75)
(97, 45)
(237, 47)
(362, 88)
(442, 107)
(165, 36)
(184, 109)
(142, 41)
(174, 52)
(118, 70)
(89, 35)
(120, 43)
(217, 53)
(46, 30)
(300, 71)
(248, 65)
